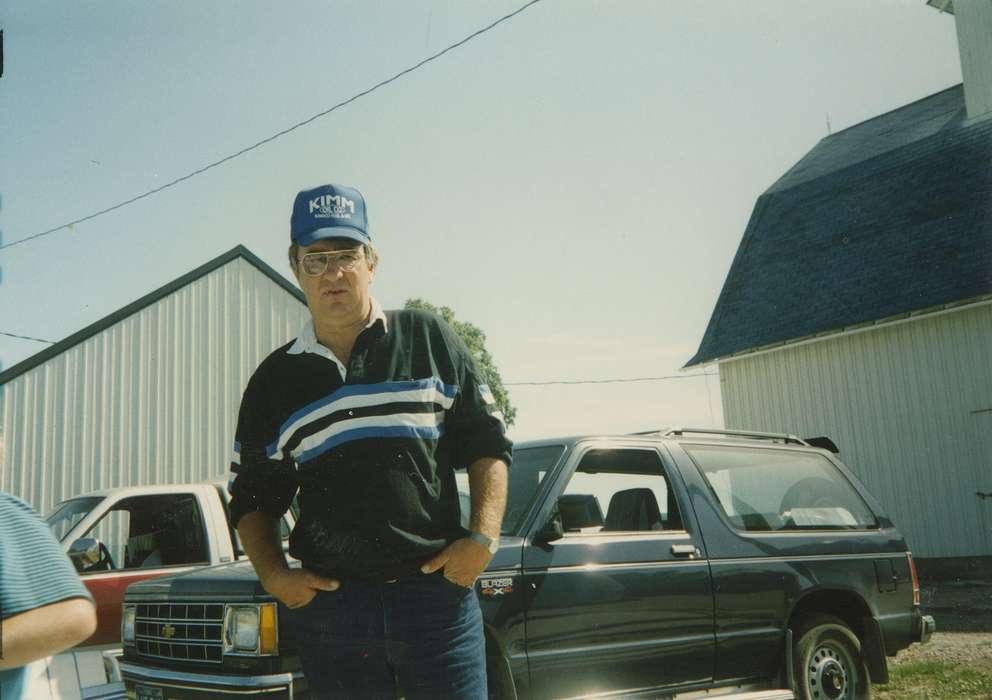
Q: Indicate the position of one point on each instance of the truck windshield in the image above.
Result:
(66, 514)
(530, 466)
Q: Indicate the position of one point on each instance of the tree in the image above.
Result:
(475, 339)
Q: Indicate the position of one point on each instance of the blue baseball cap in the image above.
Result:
(329, 211)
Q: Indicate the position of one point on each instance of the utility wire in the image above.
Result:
(277, 135)
(27, 337)
(611, 381)
(541, 383)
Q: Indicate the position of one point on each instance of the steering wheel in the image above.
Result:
(104, 563)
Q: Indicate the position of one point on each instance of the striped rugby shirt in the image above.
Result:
(372, 452)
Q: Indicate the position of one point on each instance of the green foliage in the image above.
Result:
(475, 339)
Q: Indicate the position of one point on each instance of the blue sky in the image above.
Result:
(575, 182)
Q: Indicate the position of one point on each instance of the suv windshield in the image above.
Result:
(530, 466)
(66, 514)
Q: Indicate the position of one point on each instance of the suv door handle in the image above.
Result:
(685, 550)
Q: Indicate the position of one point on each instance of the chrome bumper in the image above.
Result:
(209, 682)
(927, 626)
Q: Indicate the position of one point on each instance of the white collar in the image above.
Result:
(306, 340)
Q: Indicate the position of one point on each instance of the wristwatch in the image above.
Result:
(488, 542)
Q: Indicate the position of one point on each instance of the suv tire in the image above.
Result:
(828, 663)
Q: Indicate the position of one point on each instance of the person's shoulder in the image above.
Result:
(271, 370)
(12, 506)
(18, 516)
(413, 318)
(280, 354)
(277, 359)
(422, 323)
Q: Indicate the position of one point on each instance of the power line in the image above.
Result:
(27, 337)
(278, 134)
(611, 381)
(538, 383)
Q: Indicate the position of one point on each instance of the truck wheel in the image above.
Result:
(828, 663)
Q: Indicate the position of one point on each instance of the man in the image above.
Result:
(44, 607)
(368, 413)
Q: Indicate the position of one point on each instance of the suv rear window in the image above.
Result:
(770, 490)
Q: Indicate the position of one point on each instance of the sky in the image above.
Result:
(575, 181)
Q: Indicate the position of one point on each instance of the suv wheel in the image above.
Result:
(828, 663)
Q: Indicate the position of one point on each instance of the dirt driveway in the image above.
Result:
(963, 611)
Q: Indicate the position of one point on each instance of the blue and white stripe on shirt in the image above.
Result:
(430, 393)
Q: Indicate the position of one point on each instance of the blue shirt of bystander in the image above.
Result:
(34, 571)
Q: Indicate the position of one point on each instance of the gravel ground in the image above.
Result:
(972, 649)
(963, 611)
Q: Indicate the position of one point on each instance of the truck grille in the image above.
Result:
(187, 632)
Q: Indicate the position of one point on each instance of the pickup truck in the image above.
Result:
(117, 537)
(725, 564)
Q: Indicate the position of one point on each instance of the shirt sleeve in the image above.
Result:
(474, 423)
(263, 478)
(34, 571)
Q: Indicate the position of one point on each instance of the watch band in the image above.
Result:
(489, 543)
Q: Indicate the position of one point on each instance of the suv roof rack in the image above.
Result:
(751, 434)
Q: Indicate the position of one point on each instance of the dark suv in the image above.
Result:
(658, 564)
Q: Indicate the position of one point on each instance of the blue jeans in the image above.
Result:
(423, 632)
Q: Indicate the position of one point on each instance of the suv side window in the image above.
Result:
(765, 490)
(150, 532)
(632, 486)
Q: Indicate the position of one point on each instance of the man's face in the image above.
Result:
(337, 295)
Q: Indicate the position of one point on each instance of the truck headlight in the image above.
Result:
(244, 629)
(251, 629)
(127, 624)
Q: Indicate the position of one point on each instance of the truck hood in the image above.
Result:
(237, 581)
(232, 582)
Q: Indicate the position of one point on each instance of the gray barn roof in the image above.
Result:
(890, 216)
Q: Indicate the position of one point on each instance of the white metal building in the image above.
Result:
(859, 306)
(149, 394)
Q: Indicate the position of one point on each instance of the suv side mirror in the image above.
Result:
(552, 530)
(84, 552)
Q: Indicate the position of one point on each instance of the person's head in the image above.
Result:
(331, 253)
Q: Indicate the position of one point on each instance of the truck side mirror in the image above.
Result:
(84, 552)
(552, 530)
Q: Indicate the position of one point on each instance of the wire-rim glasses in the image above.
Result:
(316, 263)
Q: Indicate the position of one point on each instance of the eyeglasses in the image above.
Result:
(316, 263)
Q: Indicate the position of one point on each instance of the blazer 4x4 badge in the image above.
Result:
(496, 586)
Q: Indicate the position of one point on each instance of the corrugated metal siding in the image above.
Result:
(151, 399)
(905, 404)
(973, 19)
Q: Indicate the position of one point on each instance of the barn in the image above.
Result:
(150, 393)
(859, 306)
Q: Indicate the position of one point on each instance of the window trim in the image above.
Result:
(115, 506)
(838, 466)
(669, 472)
